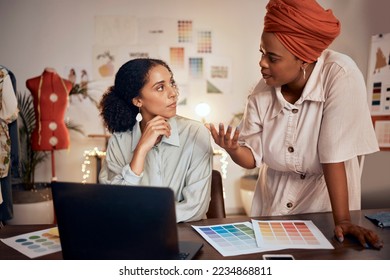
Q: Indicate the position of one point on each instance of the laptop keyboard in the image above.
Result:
(183, 256)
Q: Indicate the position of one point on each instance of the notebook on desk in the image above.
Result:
(97, 221)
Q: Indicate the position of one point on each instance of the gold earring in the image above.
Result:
(304, 73)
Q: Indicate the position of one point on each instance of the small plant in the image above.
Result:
(29, 159)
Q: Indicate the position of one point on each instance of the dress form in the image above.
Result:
(50, 94)
(50, 97)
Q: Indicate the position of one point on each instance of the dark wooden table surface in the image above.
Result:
(350, 249)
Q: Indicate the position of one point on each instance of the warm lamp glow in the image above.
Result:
(202, 110)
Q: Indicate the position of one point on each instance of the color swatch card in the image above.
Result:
(36, 244)
(230, 239)
(286, 234)
(261, 236)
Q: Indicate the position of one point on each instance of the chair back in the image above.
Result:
(217, 202)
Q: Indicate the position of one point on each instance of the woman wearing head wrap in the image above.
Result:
(151, 145)
(306, 124)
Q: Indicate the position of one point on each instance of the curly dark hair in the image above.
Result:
(116, 106)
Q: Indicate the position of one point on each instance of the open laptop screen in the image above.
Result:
(97, 221)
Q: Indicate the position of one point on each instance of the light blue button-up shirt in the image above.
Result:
(182, 162)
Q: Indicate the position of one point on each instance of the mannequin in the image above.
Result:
(50, 93)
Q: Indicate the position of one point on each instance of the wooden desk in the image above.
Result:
(348, 250)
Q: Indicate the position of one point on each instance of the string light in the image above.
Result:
(86, 166)
(223, 161)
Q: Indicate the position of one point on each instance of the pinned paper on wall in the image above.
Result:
(378, 78)
(186, 47)
(105, 61)
(141, 51)
(196, 67)
(157, 31)
(204, 41)
(176, 55)
(378, 88)
(185, 33)
(382, 131)
(115, 30)
(108, 59)
(218, 74)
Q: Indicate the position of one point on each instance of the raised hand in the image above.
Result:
(226, 140)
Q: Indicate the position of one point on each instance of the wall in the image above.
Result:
(51, 33)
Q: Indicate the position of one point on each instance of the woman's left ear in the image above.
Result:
(136, 102)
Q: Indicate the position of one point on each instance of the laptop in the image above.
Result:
(111, 222)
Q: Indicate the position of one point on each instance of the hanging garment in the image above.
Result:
(8, 114)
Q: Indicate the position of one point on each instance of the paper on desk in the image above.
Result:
(230, 239)
(381, 219)
(288, 234)
(261, 236)
(37, 243)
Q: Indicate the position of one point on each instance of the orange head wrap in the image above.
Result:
(302, 26)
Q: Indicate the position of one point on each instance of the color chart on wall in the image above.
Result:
(285, 234)
(36, 244)
(378, 75)
(380, 98)
(196, 67)
(177, 57)
(184, 28)
(230, 239)
(204, 42)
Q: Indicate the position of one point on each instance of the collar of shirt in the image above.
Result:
(313, 90)
(172, 140)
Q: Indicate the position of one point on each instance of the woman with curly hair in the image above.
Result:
(151, 145)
